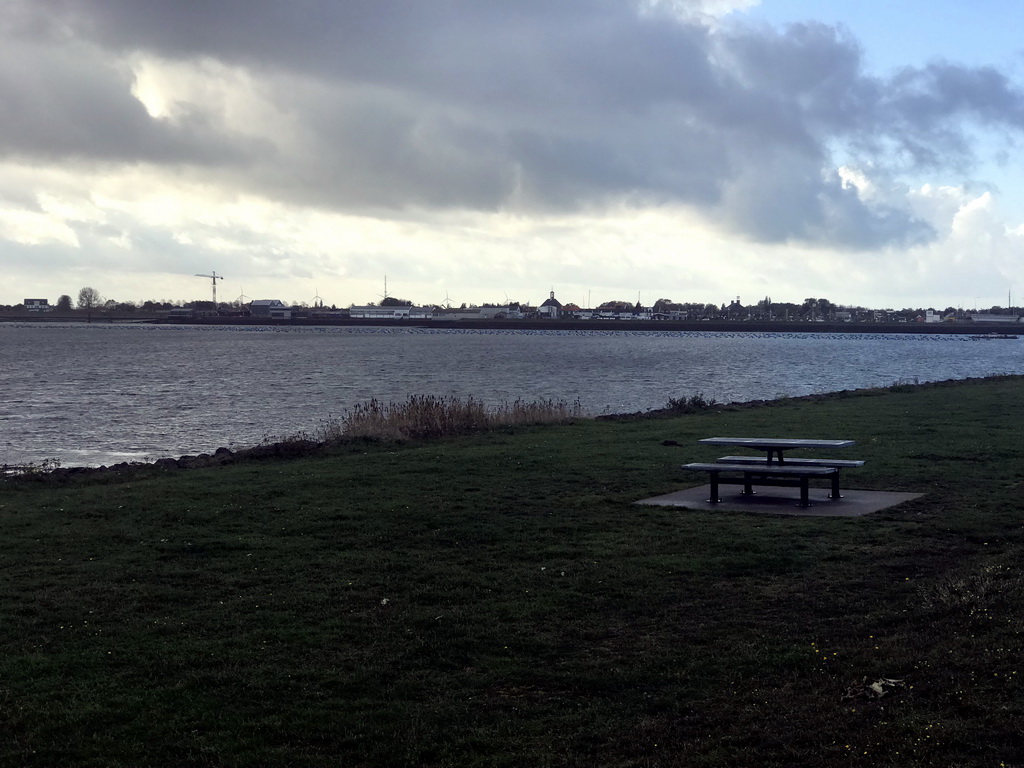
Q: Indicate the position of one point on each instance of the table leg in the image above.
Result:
(714, 489)
(805, 496)
(835, 487)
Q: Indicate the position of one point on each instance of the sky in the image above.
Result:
(481, 151)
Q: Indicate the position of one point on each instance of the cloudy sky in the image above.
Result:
(865, 151)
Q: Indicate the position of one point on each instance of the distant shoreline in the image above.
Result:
(718, 326)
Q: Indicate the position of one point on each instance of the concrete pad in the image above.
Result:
(773, 501)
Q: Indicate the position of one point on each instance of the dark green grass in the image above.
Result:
(498, 600)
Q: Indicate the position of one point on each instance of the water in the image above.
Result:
(87, 395)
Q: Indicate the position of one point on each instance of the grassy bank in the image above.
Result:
(496, 600)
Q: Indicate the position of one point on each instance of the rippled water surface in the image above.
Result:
(92, 394)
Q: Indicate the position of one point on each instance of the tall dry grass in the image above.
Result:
(428, 416)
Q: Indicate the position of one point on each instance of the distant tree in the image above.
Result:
(815, 309)
(89, 298)
(64, 303)
(787, 310)
(667, 305)
(391, 301)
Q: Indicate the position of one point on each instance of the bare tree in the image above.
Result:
(89, 298)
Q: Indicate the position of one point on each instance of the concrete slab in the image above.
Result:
(771, 501)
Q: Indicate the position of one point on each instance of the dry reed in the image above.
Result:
(428, 416)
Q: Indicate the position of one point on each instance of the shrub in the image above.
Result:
(904, 385)
(691, 404)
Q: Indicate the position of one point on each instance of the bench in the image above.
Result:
(786, 475)
(837, 463)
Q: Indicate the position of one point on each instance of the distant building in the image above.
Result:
(551, 308)
(470, 313)
(375, 312)
(985, 317)
(617, 310)
(516, 311)
(330, 312)
(274, 309)
(37, 305)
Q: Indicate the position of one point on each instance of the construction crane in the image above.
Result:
(213, 279)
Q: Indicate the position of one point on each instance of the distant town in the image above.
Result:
(90, 304)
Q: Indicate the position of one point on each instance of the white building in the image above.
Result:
(551, 308)
(374, 312)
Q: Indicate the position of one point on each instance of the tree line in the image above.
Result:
(90, 299)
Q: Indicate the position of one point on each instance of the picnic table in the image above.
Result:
(758, 470)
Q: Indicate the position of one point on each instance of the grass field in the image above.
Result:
(496, 600)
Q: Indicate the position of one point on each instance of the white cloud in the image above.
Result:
(699, 10)
(32, 228)
(974, 218)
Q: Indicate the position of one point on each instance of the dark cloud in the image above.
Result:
(930, 112)
(68, 102)
(493, 105)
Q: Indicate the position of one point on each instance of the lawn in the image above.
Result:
(497, 600)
